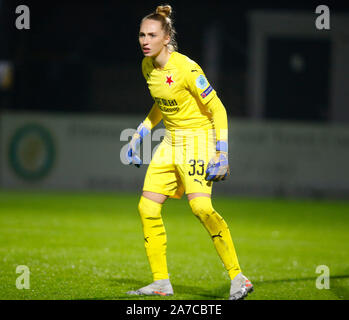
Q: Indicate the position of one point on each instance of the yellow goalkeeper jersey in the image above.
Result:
(181, 91)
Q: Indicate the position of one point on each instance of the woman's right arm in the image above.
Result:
(153, 118)
(144, 128)
(155, 115)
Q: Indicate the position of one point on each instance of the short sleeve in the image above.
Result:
(198, 84)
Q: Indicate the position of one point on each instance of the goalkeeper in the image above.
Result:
(192, 155)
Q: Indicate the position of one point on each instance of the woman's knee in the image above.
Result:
(201, 207)
(149, 208)
(157, 197)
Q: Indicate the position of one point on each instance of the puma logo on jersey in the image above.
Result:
(196, 180)
(217, 235)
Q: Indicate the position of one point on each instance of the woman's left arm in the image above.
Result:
(218, 167)
(199, 86)
(219, 115)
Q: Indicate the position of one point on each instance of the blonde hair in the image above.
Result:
(163, 14)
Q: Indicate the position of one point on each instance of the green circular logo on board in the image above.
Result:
(31, 152)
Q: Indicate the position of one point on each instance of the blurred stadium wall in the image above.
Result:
(75, 152)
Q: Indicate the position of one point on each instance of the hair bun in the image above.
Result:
(165, 10)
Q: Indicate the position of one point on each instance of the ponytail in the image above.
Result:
(163, 14)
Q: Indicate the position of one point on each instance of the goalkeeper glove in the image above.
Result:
(136, 141)
(218, 167)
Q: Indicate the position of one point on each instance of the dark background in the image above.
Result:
(83, 56)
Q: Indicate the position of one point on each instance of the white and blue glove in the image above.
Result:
(218, 167)
(136, 141)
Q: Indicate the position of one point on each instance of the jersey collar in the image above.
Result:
(168, 65)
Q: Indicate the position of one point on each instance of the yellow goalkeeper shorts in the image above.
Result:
(179, 164)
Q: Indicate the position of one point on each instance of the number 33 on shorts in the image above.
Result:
(197, 167)
(195, 177)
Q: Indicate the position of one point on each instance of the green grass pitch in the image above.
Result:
(90, 246)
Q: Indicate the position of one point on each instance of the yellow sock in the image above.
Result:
(154, 237)
(219, 232)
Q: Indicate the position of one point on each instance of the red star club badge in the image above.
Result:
(169, 80)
